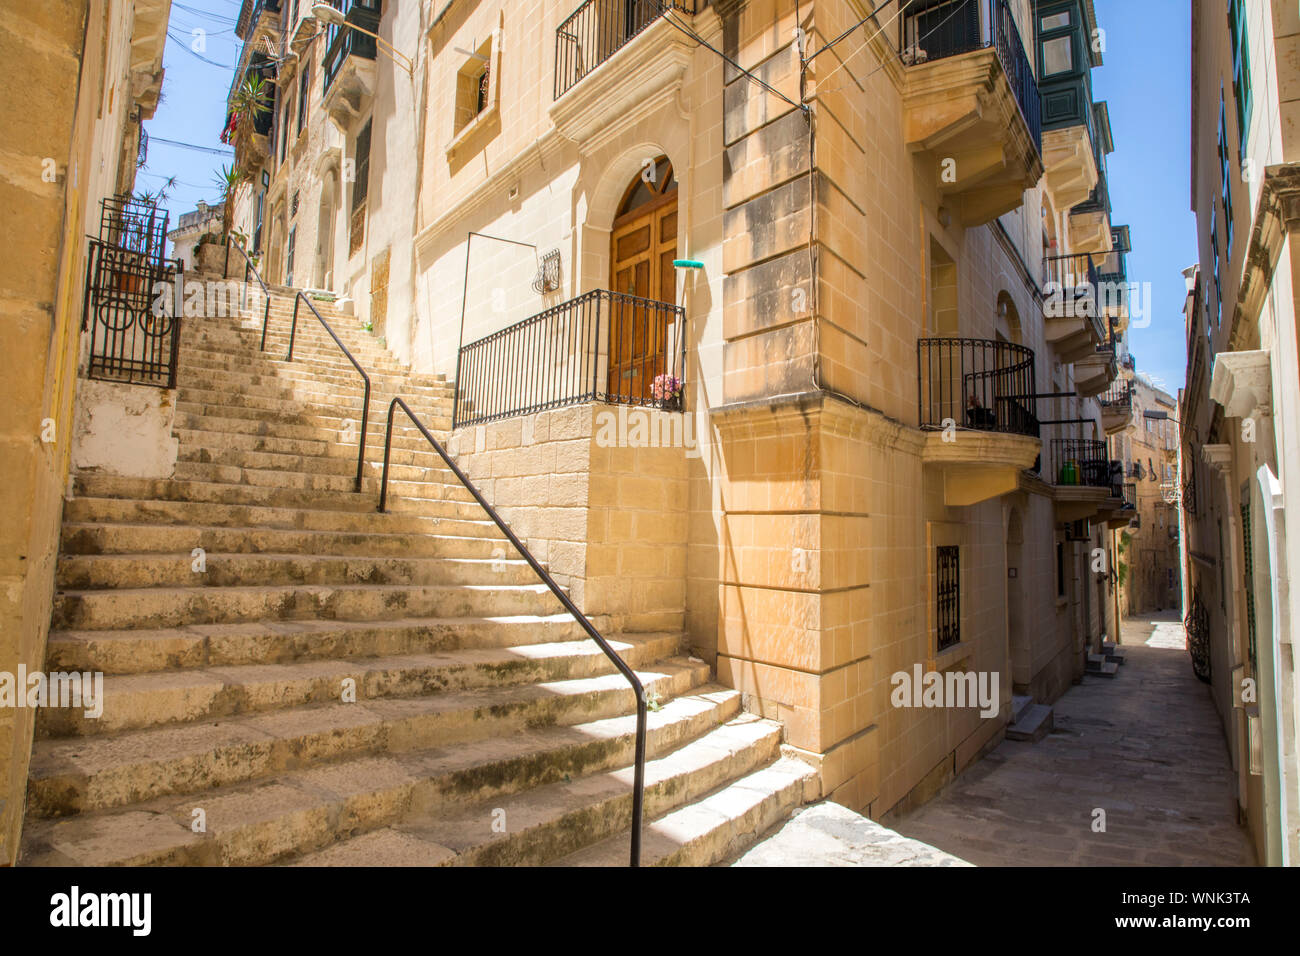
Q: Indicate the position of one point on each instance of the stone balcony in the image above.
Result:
(975, 400)
(971, 110)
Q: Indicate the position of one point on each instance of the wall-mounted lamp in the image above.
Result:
(332, 15)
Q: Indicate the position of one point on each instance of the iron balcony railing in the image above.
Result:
(341, 43)
(976, 383)
(600, 28)
(638, 691)
(1117, 398)
(1129, 494)
(944, 28)
(600, 347)
(1081, 461)
(1072, 286)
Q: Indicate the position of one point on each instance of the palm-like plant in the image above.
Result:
(249, 103)
(228, 179)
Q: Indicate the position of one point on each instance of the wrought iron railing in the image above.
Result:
(1081, 461)
(365, 400)
(250, 270)
(1130, 495)
(1073, 274)
(600, 347)
(1197, 624)
(131, 314)
(1117, 398)
(342, 42)
(638, 773)
(950, 29)
(976, 383)
(130, 307)
(600, 28)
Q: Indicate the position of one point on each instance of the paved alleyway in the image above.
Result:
(1146, 746)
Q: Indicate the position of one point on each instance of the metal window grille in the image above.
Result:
(1248, 564)
(948, 595)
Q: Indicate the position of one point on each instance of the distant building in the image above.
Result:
(192, 225)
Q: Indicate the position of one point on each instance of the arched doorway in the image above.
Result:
(643, 245)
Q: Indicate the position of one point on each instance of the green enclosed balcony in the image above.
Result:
(1063, 33)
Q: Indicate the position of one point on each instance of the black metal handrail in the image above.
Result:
(250, 269)
(365, 401)
(962, 26)
(976, 383)
(638, 780)
(600, 28)
(1087, 456)
(602, 346)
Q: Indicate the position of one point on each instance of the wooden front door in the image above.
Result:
(642, 249)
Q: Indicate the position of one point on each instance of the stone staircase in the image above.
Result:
(485, 728)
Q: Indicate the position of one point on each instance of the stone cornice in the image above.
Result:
(1218, 457)
(1242, 383)
(824, 410)
(1276, 213)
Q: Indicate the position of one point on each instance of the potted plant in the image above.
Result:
(667, 391)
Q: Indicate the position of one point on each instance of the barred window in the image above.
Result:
(948, 596)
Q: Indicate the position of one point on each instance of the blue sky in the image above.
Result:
(1145, 81)
(193, 109)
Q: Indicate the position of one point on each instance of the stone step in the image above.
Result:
(269, 367)
(316, 493)
(138, 816)
(240, 515)
(331, 420)
(1099, 666)
(215, 427)
(1112, 652)
(324, 404)
(155, 608)
(117, 571)
(205, 481)
(419, 464)
(716, 827)
(134, 702)
(1020, 706)
(140, 651)
(81, 538)
(546, 823)
(1033, 725)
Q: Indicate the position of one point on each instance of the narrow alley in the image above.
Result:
(1146, 747)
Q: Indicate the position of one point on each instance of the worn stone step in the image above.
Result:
(143, 650)
(323, 403)
(219, 569)
(1099, 666)
(79, 538)
(175, 607)
(214, 428)
(546, 823)
(386, 759)
(716, 827)
(141, 701)
(405, 465)
(445, 498)
(1033, 724)
(239, 515)
(1020, 705)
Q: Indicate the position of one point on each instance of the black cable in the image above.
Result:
(202, 149)
(668, 15)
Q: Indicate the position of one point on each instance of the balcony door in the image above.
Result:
(643, 245)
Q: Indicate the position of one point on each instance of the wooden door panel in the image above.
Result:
(642, 253)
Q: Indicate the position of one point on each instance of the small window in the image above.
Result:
(948, 596)
(360, 190)
(1056, 21)
(1060, 569)
(304, 94)
(1058, 56)
(475, 89)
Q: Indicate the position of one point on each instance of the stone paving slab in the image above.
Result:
(827, 834)
(1146, 747)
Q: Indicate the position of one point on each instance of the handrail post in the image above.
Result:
(293, 329)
